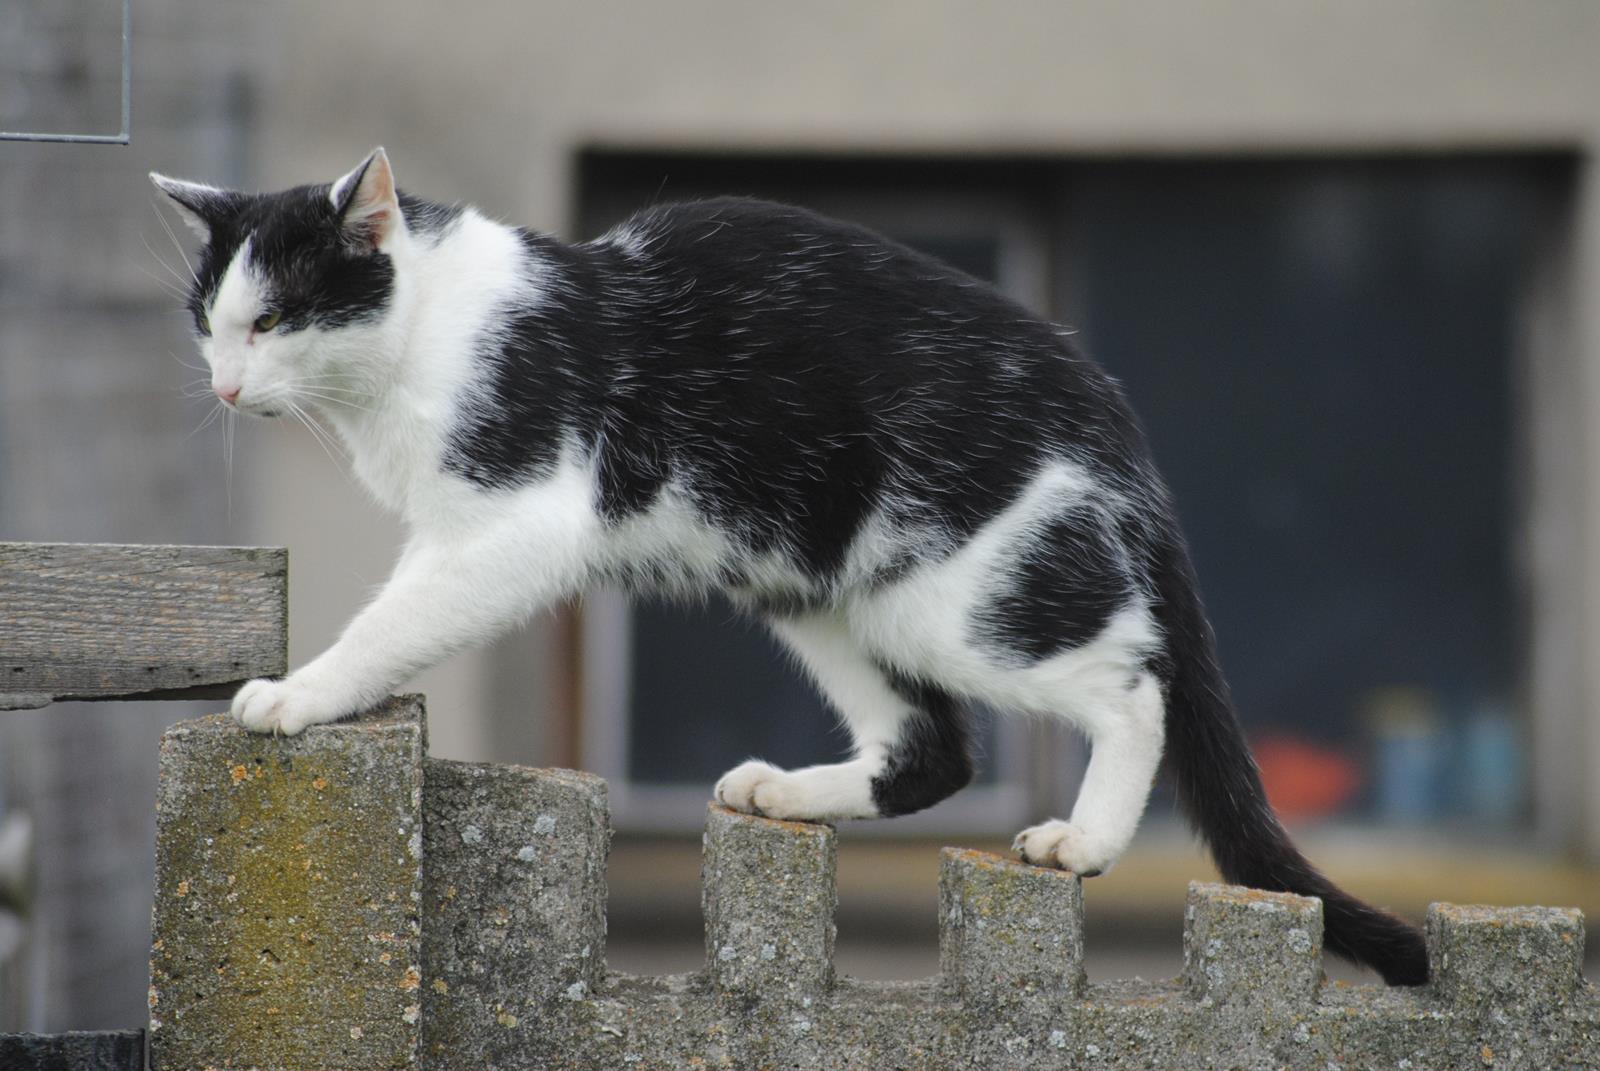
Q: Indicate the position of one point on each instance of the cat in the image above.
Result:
(923, 489)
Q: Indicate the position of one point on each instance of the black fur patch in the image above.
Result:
(932, 760)
(1070, 577)
(546, 371)
(311, 275)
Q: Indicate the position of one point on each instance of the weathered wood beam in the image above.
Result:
(107, 621)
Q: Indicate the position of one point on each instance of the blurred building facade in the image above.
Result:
(1360, 238)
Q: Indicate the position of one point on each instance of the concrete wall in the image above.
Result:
(476, 937)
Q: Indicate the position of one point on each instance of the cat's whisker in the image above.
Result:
(193, 278)
(172, 289)
(317, 433)
(331, 446)
(297, 383)
(159, 259)
(186, 364)
(228, 431)
(323, 383)
(210, 419)
(344, 403)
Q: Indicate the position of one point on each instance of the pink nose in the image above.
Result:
(228, 394)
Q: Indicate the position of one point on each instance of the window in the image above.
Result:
(1323, 353)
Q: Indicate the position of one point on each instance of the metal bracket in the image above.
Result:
(122, 136)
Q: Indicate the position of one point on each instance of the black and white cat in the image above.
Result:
(918, 485)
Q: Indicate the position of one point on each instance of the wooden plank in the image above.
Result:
(106, 621)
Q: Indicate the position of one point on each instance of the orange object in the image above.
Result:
(1304, 780)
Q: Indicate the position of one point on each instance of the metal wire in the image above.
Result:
(122, 136)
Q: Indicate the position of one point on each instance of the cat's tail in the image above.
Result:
(1219, 788)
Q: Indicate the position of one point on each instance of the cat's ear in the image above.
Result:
(366, 204)
(201, 206)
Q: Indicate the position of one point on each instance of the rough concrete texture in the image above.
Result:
(514, 896)
(1517, 971)
(288, 891)
(1010, 936)
(1241, 946)
(514, 974)
(768, 891)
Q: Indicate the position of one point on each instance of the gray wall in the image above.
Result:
(92, 438)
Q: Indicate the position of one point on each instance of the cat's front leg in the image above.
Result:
(444, 596)
(283, 707)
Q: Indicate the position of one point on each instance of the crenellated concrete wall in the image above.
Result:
(339, 901)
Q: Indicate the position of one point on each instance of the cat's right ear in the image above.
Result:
(199, 205)
(366, 203)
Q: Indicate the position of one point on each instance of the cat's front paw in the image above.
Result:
(281, 707)
(1062, 844)
(757, 787)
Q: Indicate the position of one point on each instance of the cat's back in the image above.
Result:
(739, 273)
(754, 244)
(777, 332)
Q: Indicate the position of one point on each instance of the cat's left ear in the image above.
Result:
(201, 206)
(366, 204)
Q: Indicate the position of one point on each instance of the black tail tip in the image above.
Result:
(1408, 967)
(1395, 949)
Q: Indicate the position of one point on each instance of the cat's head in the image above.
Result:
(293, 295)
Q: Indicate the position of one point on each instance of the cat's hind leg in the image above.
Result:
(911, 742)
(1125, 737)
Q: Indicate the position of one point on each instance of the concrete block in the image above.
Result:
(1506, 960)
(768, 890)
(1244, 946)
(287, 931)
(515, 898)
(1010, 935)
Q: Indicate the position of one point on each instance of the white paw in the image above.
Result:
(281, 707)
(757, 787)
(1062, 844)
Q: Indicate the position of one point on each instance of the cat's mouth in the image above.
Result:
(255, 409)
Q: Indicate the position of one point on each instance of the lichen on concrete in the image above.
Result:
(288, 882)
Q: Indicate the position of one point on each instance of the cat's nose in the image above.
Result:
(227, 394)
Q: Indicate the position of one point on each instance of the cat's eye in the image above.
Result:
(268, 320)
(204, 321)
